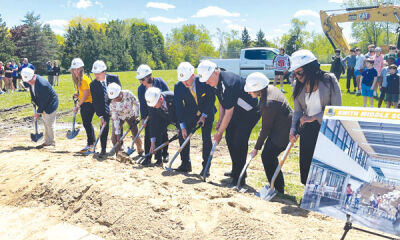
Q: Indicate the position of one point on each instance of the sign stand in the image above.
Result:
(349, 225)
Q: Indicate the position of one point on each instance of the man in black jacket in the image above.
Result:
(194, 103)
(101, 103)
(161, 114)
(337, 67)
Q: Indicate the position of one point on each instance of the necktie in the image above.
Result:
(107, 108)
(195, 98)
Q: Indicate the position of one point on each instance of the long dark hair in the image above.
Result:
(312, 74)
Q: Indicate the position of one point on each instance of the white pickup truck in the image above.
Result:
(251, 60)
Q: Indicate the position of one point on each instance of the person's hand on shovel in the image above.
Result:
(36, 116)
(103, 123)
(292, 137)
(254, 152)
(184, 133)
(218, 137)
(152, 147)
(201, 121)
(76, 108)
(144, 123)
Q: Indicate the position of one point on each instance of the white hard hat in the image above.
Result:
(205, 69)
(27, 74)
(301, 58)
(113, 90)
(255, 82)
(378, 49)
(185, 71)
(143, 71)
(152, 96)
(76, 63)
(99, 66)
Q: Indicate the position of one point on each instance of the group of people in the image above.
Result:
(53, 72)
(242, 102)
(10, 75)
(369, 73)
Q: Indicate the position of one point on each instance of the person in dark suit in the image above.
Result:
(46, 99)
(161, 114)
(194, 104)
(145, 76)
(101, 102)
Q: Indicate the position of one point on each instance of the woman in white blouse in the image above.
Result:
(124, 107)
(313, 90)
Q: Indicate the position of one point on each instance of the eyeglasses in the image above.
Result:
(299, 74)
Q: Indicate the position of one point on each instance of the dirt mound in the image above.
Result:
(43, 191)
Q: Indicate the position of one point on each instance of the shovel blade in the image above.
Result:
(36, 137)
(72, 134)
(267, 193)
(129, 151)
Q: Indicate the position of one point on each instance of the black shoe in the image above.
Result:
(159, 162)
(146, 162)
(184, 168)
(103, 153)
(228, 174)
(202, 173)
(234, 182)
(165, 159)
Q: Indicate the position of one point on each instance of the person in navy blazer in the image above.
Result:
(46, 100)
(161, 114)
(191, 111)
(101, 103)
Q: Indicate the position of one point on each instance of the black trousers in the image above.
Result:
(270, 161)
(206, 137)
(350, 74)
(308, 140)
(104, 135)
(159, 141)
(14, 80)
(87, 112)
(237, 137)
(382, 96)
(337, 75)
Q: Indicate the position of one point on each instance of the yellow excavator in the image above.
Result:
(381, 13)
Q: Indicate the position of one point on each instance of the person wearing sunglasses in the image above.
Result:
(313, 90)
(371, 52)
(144, 75)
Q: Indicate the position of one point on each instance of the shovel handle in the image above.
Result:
(98, 137)
(183, 145)
(209, 160)
(279, 167)
(140, 130)
(244, 170)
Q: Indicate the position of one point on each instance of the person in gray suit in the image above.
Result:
(314, 89)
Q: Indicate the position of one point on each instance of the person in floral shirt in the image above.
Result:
(124, 107)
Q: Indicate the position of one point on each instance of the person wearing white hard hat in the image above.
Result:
(161, 114)
(238, 114)
(145, 75)
(46, 100)
(124, 107)
(101, 102)
(194, 103)
(276, 121)
(313, 90)
(82, 88)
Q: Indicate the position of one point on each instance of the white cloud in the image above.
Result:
(167, 20)
(212, 11)
(306, 13)
(99, 4)
(311, 23)
(285, 25)
(58, 25)
(337, 1)
(84, 4)
(226, 21)
(235, 27)
(160, 5)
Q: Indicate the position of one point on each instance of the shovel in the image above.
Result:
(131, 149)
(182, 147)
(97, 140)
(112, 151)
(242, 174)
(268, 192)
(209, 161)
(72, 133)
(158, 148)
(36, 136)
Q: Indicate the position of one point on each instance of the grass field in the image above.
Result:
(65, 91)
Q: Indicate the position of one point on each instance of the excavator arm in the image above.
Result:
(382, 13)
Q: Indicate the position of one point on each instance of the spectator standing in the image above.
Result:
(368, 82)
(1, 77)
(50, 74)
(8, 78)
(281, 64)
(56, 73)
(378, 65)
(392, 53)
(337, 67)
(358, 68)
(14, 74)
(350, 61)
(392, 91)
(384, 73)
(371, 52)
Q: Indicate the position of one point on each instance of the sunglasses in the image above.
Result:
(299, 74)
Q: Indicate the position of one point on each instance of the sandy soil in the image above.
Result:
(56, 193)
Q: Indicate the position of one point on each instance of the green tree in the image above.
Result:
(321, 47)
(74, 39)
(7, 47)
(260, 39)
(246, 40)
(296, 38)
(117, 49)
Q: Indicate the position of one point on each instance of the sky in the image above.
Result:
(271, 16)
